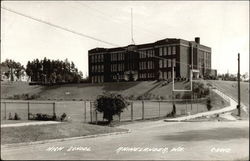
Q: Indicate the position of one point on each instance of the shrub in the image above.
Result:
(43, 117)
(10, 117)
(178, 96)
(35, 96)
(63, 116)
(16, 117)
(209, 106)
(172, 113)
(162, 97)
(131, 97)
(16, 96)
(110, 104)
(140, 98)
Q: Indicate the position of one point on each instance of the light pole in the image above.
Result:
(238, 106)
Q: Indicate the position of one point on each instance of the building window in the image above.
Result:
(174, 63)
(160, 51)
(169, 62)
(142, 53)
(165, 63)
(118, 56)
(165, 51)
(160, 64)
(102, 69)
(97, 58)
(169, 50)
(165, 75)
(169, 75)
(174, 50)
(102, 58)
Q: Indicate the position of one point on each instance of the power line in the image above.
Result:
(118, 20)
(59, 27)
(104, 14)
(84, 35)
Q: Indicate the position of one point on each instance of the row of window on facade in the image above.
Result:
(97, 68)
(117, 67)
(120, 77)
(169, 50)
(167, 63)
(97, 79)
(146, 53)
(97, 58)
(146, 75)
(166, 75)
(146, 65)
(117, 56)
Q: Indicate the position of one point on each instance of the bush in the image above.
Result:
(110, 104)
(209, 106)
(172, 114)
(43, 117)
(24, 96)
(16, 117)
(63, 116)
(178, 96)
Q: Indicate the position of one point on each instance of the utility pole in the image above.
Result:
(238, 106)
(132, 34)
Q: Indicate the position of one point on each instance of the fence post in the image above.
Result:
(85, 117)
(90, 111)
(197, 104)
(142, 110)
(28, 110)
(159, 109)
(54, 109)
(186, 107)
(132, 111)
(5, 115)
(96, 117)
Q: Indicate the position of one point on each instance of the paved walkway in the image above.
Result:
(30, 123)
(232, 106)
(228, 116)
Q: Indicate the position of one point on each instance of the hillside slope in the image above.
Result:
(231, 88)
(128, 89)
(90, 91)
(9, 89)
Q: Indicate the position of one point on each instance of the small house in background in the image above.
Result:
(6, 74)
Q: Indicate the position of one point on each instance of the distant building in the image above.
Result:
(6, 75)
(142, 62)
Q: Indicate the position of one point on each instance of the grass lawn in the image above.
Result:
(231, 88)
(11, 135)
(13, 121)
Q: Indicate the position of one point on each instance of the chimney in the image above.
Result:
(197, 40)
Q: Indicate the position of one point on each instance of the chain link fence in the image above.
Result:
(84, 111)
(149, 109)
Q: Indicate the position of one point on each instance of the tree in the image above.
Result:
(52, 71)
(110, 104)
(15, 68)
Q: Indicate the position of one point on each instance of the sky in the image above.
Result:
(221, 25)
